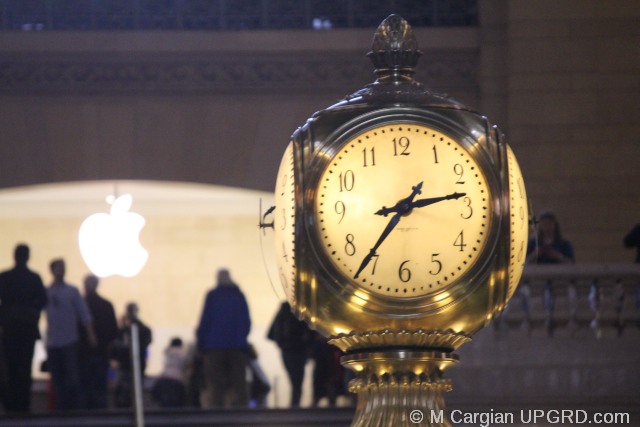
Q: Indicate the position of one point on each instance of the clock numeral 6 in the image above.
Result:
(404, 274)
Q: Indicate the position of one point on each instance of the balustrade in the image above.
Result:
(597, 296)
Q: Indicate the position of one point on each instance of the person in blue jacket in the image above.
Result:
(222, 339)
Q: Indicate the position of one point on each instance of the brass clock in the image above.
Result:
(401, 225)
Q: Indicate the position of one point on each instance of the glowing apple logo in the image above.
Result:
(109, 243)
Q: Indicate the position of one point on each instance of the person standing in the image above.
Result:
(548, 246)
(294, 338)
(65, 311)
(632, 240)
(123, 355)
(22, 298)
(94, 361)
(222, 338)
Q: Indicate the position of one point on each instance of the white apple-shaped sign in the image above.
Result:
(110, 243)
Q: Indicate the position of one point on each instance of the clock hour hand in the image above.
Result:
(403, 206)
(426, 202)
(390, 226)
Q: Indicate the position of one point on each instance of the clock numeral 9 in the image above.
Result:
(401, 146)
(341, 209)
(347, 180)
(404, 274)
(349, 247)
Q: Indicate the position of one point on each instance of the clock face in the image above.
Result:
(403, 210)
(284, 222)
(518, 222)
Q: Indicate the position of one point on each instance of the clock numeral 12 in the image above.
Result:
(401, 146)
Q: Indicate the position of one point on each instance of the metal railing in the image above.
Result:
(79, 15)
(603, 297)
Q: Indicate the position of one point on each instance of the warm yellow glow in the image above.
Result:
(284, 224)
(109, 243)
(394, 252)
(518, 221)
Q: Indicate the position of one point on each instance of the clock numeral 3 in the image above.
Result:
(467, 201)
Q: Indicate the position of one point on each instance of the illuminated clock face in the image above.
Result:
(284, 223)
(403, 210)
(518, 222)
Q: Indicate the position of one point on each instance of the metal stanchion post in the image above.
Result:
(137, 377)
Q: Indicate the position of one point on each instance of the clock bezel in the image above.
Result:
(345, 287)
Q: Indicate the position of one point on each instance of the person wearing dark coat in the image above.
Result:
(632, 240)
(94, 361)
(121, 353)
(294, 338)
(222, 338)
(22, 299)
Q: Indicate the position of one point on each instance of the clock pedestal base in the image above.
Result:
(400, 388)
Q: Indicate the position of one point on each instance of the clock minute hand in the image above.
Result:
(400, 208)
(426, 202)
(390, 226)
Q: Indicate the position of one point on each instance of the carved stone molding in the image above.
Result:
(202, 74)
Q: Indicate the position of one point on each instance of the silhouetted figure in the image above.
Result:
(632, 239)
(548, 246)
(194, 376)
(328, 373)
(122, 354)
(22, 298)
(294, 338)
(168, 389)
(259, 386)
(65, 311)
(222, 338)
(94, 361)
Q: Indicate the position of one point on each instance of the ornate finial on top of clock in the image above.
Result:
(394, 46)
